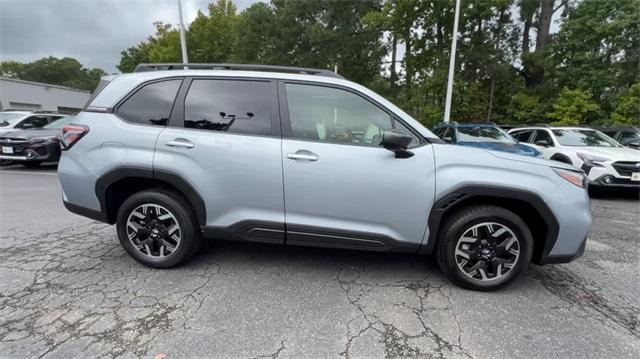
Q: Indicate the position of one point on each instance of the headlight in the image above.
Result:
(591, 160)
(576, 178)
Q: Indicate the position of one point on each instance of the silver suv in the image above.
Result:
(303, 157)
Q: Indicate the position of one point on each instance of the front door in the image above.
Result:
(342, 189)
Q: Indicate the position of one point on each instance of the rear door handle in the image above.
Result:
(180, 142)
(303, 155)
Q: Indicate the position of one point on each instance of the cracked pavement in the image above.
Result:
(68, 290)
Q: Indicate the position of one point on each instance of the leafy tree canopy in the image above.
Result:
(65, 72)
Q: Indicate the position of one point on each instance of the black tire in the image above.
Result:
(31, 164)
(462, 221)
(183, 213)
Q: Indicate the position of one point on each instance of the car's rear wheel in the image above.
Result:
(484, 247)
(157, 229)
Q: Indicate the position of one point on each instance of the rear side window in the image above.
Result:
(152, 104)
(229, 106)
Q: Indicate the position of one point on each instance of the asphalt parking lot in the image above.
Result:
(68, 290)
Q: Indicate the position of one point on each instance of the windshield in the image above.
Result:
(580, 137)
(483, 134)
(7, 119)
(59, 123)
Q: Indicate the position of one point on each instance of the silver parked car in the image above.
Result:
(303, 157)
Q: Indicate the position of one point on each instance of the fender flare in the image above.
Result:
(449, 202)
(171, 178)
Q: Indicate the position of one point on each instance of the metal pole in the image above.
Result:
(452, 63)
(183, 41)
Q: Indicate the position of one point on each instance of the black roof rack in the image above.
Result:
(241, 67)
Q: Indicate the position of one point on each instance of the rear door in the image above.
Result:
(224, 140)
(342, 189)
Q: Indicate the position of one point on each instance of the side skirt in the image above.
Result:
(299, 235)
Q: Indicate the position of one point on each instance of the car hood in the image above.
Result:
(504, 147)
(28, 134)
(531, 160)
(612, 153)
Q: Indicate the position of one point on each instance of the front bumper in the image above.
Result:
(34, 153)
(608, 176)
(556, 259)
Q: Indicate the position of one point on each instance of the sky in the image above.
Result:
(92, 31)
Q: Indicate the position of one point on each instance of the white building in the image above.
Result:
(27, 95)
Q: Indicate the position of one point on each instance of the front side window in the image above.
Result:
(152, 104)
(579, 137)
(543, 135)
(522, 135)
(229, 106)
(629, 136)
(334, 115)
(483, 134)
(448, 134)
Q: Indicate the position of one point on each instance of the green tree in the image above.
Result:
(51, 70)
(211, 38)
(572, 108)
(628, 107)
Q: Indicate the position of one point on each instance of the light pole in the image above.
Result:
(452, 63)
(183, 42)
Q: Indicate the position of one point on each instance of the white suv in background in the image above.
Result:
(13, 120)
(605, 161)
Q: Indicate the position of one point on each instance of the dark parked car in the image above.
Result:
(34, 146)
(625, 135)
(482, 135)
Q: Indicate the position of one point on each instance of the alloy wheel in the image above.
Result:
(487, 251)
(154, 231)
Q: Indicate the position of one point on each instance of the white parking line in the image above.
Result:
(31, 173)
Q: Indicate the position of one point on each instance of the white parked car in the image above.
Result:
(605, 161)
(23, 120)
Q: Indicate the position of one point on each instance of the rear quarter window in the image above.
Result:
(151, 104)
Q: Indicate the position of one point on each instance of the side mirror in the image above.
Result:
(447, 139)
(543, 143)
(397, 142)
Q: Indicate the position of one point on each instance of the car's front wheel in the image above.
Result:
(157, 228)
(484, 247)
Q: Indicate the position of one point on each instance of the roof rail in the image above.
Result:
(241, 67)
(532, 125)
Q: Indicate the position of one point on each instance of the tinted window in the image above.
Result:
(335, 115)
(542, 135)
(522, 136)
(448, 134)
(33, 122)
(628, 136)
(151, 105)
(229, 106)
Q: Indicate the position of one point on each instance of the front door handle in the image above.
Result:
(303, 155)
(180, 142)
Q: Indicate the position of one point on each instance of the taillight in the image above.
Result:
(71, 134)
